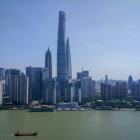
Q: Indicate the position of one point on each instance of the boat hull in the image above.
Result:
(26, 134)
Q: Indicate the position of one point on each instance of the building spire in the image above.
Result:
(48, 62)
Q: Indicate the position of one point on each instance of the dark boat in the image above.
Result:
(25, 134)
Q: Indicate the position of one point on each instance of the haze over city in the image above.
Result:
(104, 35)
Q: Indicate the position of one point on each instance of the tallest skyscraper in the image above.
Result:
(64, 72)
(61, 49)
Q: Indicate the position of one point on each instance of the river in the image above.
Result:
(86, 125)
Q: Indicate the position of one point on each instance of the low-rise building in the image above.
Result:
(67, 105)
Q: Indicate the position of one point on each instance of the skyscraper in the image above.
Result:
(130, 82)
(61, 49)
(48, 62)
(68, 58)
(38, 78)
(35, 82)
(64, 71)
(87, 87)
(83, 74)
(51, 91)
(14, 89)
(62, 74)
(2, 73)
(23, 89)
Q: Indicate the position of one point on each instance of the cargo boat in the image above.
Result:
(25, 134)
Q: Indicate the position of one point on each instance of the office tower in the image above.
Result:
(35, 82)
(8, 74)
(45, 78)
(48, 62)
(71, 96)
(2, 73)
(78, 92)
(135, 91)
(139, 81)
(106, 92)
(14, 89)
(23, 89)
(1, 92)
(68, 56)
(74, 91)
(37, 77)
(51, 91)
(106, 79)
(61, 49)
(82, 74)
(7, 81)
(130, 82)
(15, 72)
(87, 87)
(121, 88)
(30, 72)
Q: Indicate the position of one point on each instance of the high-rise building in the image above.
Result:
(106, 79)
(45, 78)
(30, 72)
(87, 87)
(51, 91)
(35, 82)
(2, 73)
(106, 91)
(61, 49)
(135, 91)
(23, 89)
(15, 72)
(81, 75)
(14, 89)
(68, 55)
(121, 88)
(130, 82)
(37, 77)
(64, 71)
(48, 62)
(109, 92)
(74, 91)
(8, 74)
(1, 92)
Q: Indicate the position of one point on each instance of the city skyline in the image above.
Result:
(107, 35)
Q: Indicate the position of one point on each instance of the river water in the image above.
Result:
(86, 125)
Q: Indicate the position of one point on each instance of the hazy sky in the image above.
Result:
(104, 35)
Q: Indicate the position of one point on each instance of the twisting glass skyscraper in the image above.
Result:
(64, 71)
(61, 50)
(48, 62)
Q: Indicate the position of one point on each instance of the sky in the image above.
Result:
(104, 35)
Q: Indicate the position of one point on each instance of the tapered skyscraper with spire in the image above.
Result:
(48, 62)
